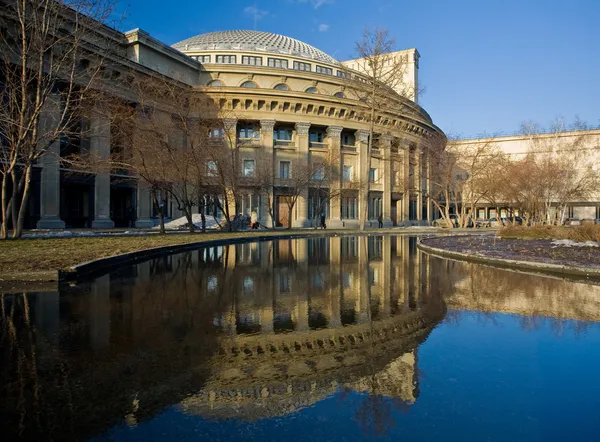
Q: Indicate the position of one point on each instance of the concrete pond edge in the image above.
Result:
(538, 267)
(102, 265)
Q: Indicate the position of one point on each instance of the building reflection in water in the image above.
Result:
(246, 330)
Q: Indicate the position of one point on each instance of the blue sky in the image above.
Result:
(487, 66)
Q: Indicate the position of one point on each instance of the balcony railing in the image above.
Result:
(284, 143)
(248, 141)
(317, 145)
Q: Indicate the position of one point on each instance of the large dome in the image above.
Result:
(253, 41)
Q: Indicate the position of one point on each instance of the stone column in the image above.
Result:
(428, 190)
(335, 178)
(419, 183)
(144, 206)
(230, 126)
(50, 176)
(100, 149)
(362, 145)
(302, 158)
(364, 292)
(386, 141)
(407, 187)
(386, 277)
(266, 140)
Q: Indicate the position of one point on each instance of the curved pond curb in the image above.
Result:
(511, 263)
(102, 265)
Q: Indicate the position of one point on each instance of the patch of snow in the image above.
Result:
(571, 243)
(180, 223)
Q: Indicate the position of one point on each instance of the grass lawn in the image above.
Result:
(51, 254)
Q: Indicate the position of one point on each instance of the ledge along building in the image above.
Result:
(280, 97)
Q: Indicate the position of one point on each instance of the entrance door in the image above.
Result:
(282, 211)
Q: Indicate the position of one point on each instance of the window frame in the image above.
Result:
(273, 61)
(302, 66)
(245, 173)
(288, 163)
(228, 56)
(253, 58)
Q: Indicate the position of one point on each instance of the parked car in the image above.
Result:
(482, 223)
(495, 222)
(572, 222)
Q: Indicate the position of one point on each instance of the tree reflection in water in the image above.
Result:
(250, 331)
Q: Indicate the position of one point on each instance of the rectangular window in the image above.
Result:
(373, 175)
(348, 140)
(316, 137)
(343, 74)
(277, 63)
(284, 169)
(248, 132)
(348, 173)
(249, 168)
(226, 59)
(252, 61)
(202, 58)
(211, 168)
(349, 208)
(319, 172)
(299, 66)
(282, 134)
(324, 70)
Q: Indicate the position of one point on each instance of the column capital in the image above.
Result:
(334, 131)
(386, 138)
(362, 135)
(267, 125)
(302, 128)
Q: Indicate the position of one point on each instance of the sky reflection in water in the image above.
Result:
(319, 339)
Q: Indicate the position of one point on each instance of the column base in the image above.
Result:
(335, 223)
(103, 224)
(50, 222)
(144, 223)
(301, 222)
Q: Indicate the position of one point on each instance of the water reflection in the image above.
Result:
(249, 332)
(246, 331)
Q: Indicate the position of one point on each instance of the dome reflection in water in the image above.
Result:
(327, 337)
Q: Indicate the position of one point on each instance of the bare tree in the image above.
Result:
(380, 87)
(51, 66)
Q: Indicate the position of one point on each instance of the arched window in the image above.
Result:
(282, 87)
(216, 83)
(312, 90)
(249, 84)
(339, 95)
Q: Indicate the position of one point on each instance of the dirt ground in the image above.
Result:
(533, 250)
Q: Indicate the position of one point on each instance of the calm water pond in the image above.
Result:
(341, 338)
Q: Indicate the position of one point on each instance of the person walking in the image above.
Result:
(254, 220)
(380, 220)
(323, 225)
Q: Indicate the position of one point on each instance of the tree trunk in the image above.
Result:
(26, 184)
(160, 211)
(5, 205)
(289, 220)
(187, 210)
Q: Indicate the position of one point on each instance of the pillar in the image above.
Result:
(364, 292)
(144, 206)
(50, 176)
(407, 186)
(386, 277)
(100, 150)
(386, 141)
(362, 147)
(419, 183)
(428, 190)
(266, 140)
(334, 143)
(230, 127)
(302, 159)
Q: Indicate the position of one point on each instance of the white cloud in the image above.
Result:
(255, 13)
(315, 3)
(323, 27)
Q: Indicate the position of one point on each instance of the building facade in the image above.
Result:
(279, 97)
